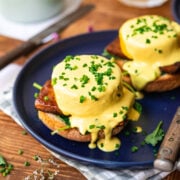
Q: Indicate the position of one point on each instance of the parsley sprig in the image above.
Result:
(5, 167)
(156, 136)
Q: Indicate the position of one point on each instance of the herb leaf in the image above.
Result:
(37, 86)
(5, 167)
(134, 148)
(138, 107)
(156, 136)
(2, 161)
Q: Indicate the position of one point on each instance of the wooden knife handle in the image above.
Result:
(24, 48)
(169, 149)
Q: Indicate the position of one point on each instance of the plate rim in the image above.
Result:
(174, 6)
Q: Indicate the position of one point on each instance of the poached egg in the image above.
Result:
(89, 89)
(150, 41)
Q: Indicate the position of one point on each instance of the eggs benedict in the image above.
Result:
(150, 50)
(85, 100)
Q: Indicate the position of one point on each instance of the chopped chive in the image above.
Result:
(37, 86)
(82, 99)
(101, 88)
(5, 167)
(2, 170)
(54, 81)
(66, 79)
(93, 88)
(74, 67)
(99, 78)
(143, 143)
(109, 63)
(124, 117)
(27, 163)
(117, 146)
(94, 56)
(68, 66)
(138, 107)
(20, 151)
(36, 95)
(24, 133)
(84, 79)
(68, 58)
(2, 161)
(102, 145)
(77, 58)
(115, 114)
(46, 98)
(74, 86)
(93, 97)
(148, 41)
(155, 152)
(134, 148)
(125, 108)
(60, 129)
(35, 157)
(85, 65)
(136, 71)
(61, 77)
(134, 129)
(127, 133)
(92, 126)
(101, 127)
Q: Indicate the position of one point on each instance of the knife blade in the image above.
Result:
(169, 149)
(35, 41)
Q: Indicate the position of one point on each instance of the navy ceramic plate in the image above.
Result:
(156, 107)
(176, 10)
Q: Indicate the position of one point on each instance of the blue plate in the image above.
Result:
(176, 10)
(156, 107)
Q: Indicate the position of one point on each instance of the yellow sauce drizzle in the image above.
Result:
(88, 88)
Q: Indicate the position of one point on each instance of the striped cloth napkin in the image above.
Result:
(7, 78)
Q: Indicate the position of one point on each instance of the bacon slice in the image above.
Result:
(171, 69)
(46, 99)
(114, 49)
(47, 108)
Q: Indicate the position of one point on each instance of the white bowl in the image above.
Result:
(30, 10)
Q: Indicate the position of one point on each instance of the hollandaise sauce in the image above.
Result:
(89, 90)
(149, 41)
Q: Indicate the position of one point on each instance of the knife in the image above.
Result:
(36, 40)
(170, 147)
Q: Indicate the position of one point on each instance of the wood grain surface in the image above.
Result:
(107, 14)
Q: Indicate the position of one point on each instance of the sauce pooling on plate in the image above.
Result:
(88, 89)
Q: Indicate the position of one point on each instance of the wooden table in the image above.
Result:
(107, 14)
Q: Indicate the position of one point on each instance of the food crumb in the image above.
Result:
(24, 133)
(134, 148)
(27, 163)
(90, 28)
(49, 168)
(20, 151)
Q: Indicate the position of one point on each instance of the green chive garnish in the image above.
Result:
(27, 163)
(37, 86)
(82, 99)
(92, 126)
